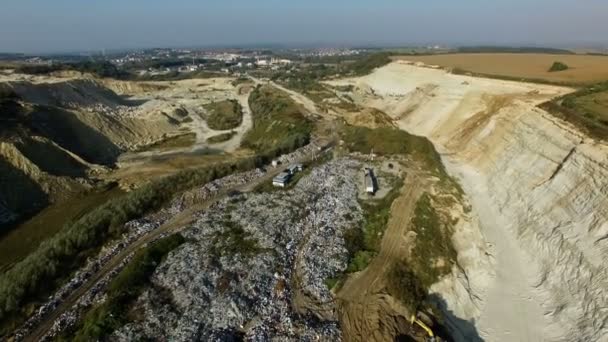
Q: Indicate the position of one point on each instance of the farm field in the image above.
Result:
(583, 69)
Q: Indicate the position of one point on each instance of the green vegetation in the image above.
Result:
(332, 282)
(24, 238)
(278, 123)
(363, 243)
(178, 141)
(241, 80)
(224, 115)
(307, 81)
(404, 285)
(221, 137)
(98, 68)
(234, 240)
(433, 254)
(389, 140)
(586, 108)
(102, 320)
(41, 272)
(431, 258)
(176, 76)
(45, 269)
(368, 64)
(558, 66)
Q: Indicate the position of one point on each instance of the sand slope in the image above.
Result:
(539, 189)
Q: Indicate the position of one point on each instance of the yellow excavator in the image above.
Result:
(416, 321)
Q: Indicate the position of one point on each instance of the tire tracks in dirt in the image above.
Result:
(367, 312)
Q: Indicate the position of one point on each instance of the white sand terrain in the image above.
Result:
(532, 266)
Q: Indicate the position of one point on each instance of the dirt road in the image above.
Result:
(367, 311)
(300, 99)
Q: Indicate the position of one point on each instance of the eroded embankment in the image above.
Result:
(538, 188)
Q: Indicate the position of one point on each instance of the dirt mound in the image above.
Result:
(133, 88)
(369, 117)
(77, 93)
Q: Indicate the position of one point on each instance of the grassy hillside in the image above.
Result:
(278, 122)
(224, 115)
(587, 109)
(388, 140)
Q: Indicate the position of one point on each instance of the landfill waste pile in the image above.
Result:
(255, 266)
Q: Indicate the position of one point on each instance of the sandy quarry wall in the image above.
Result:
(539, 189)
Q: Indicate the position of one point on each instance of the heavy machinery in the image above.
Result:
(418, 322)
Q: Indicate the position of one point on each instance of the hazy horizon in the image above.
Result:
(34, 26)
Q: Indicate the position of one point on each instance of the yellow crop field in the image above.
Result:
(583, 69)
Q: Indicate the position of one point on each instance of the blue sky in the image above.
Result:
(71, 25)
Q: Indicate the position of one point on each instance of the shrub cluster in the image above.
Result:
(102, 320)
(558, 66)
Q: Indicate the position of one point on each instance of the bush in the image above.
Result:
(99, 68)
(234, 240)
(102, 320)
(224, 115)
(366, 65)
(404, 285)
(433, 254)
(558, 66)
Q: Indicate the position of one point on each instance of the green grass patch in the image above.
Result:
(332, 282)
(405, 285)
(433, 254)
(234, 240)
(221, 137)
(23, 239)
(102, 320)
(392, 141)
(586, 108)
(385, 141)
(178, 141)
(367, 64)
(278, 122)
(363, 243)
(224, 115)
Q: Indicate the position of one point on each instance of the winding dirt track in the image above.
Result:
(367, 312)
